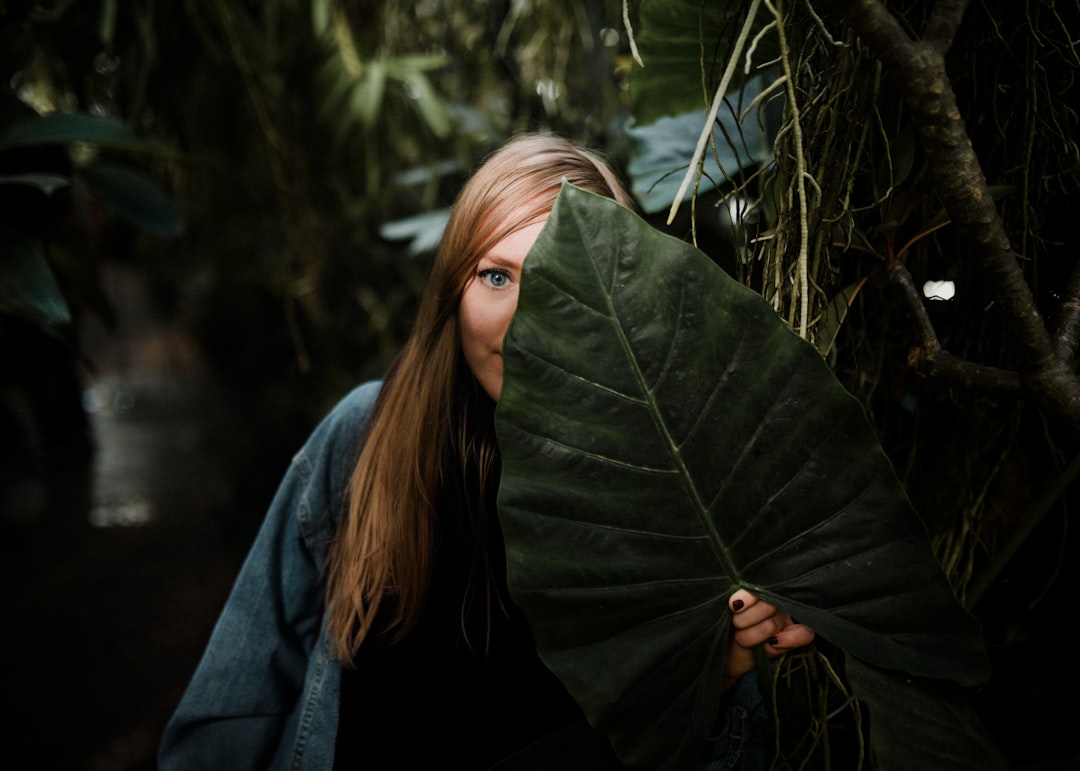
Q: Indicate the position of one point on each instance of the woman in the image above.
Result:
(370, 626)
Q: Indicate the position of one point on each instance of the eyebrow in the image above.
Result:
(500, 261)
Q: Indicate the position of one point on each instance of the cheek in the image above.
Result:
(484, 318)
(469, 320)
(501, 314)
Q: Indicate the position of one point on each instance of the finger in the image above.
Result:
(740, 600)
(762, 631)
(755, 614)
(788, 638)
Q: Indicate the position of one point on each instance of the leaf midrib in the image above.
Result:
(721, 552)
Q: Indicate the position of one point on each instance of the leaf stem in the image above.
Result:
(714, 110)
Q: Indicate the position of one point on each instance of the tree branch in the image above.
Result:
(941, 366)
(899, 275)
(918, 68)
(931, 361)
(1067, 329)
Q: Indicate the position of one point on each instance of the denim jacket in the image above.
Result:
(266, 693)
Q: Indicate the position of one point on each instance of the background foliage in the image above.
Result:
(298, 132)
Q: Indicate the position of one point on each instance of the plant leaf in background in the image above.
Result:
(666, 439)
(669, 40)
(133, 197)
(36, 160)
(423, 231)
(29, 289)
(669, 108)
(663, 149)
(46, 183)
(67, 127)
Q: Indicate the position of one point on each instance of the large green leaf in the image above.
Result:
(930, 724)
(665, 440)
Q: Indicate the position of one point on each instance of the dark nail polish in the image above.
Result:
(774, 641)
(737, 605)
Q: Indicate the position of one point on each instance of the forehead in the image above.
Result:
(513, 247)
(504, 217)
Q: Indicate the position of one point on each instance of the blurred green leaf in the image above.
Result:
(402, 66)
(107, 23)
(28, 288)
(367, 95)
(46, 183)
(133, 197)
(663, 149)
(320, 16)
(65, 128)
(672, 38)
(423, 231)
(428, 103)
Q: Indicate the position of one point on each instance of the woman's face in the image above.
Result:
(488, 304)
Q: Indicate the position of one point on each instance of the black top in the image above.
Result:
(457, 691)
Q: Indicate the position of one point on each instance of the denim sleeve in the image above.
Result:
(234, 712)
(741, 741)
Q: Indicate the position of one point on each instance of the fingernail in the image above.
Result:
(774, 641)
(737, 605)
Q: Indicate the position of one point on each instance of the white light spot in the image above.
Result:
(939, 290)
(609, 37)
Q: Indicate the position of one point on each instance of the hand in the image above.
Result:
(756, 622)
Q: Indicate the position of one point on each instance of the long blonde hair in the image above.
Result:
(425, 428)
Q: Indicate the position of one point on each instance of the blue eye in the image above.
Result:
(494, 277)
